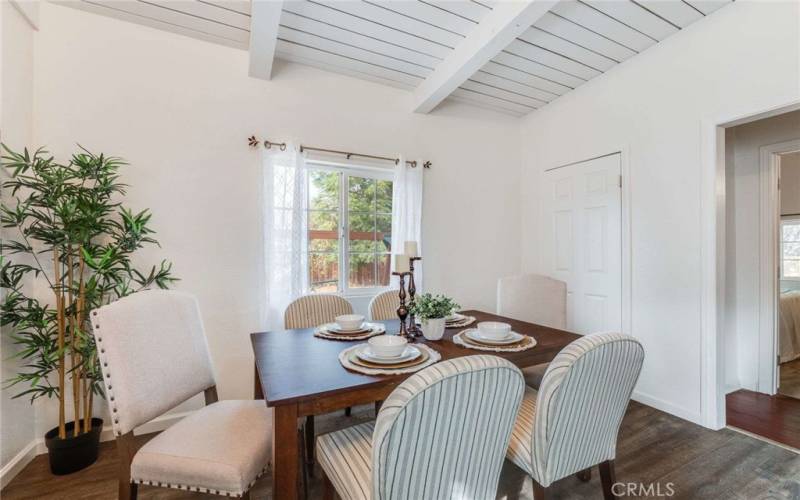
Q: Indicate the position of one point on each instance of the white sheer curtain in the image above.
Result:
(285, 231)
(407, 212)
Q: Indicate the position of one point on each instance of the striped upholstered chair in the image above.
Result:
(310, 311)
(536, 299)
(571, 423)
(441, 434)
(153, 356)
(384, 306)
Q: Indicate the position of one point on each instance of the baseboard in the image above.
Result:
(660, 404)
(18, 462)
(37, 447)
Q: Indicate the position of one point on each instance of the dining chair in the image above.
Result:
(535, 299)
(313, 310)
(153, 356)
(384, 306)
(571, 424)
(442, 433)
(310, 311)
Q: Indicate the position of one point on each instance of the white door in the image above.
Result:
(582, 241)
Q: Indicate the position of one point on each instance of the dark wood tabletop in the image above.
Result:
(300, 375)
(293, 365)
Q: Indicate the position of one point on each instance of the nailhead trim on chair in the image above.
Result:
(106, 375)
(201, 489)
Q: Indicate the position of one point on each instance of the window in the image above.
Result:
(349, 229)
(790, 249)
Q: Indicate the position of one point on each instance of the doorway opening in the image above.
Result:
(761, 324)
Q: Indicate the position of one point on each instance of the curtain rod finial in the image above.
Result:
(252, 141)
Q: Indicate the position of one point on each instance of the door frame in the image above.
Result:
(713, 249)
(769, 259)
(626, 265)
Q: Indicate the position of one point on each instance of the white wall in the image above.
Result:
(743, 243)
(790, 197)
(744, 55)
(16, 129)
(790, 181)
(180, 110)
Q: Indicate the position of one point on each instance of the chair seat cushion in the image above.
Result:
(221, 449)
(534, 374)
(519, 447)
(346, 458)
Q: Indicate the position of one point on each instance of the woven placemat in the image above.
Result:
(345, 355)
(461, 324)
(461, 339)
(377, 329)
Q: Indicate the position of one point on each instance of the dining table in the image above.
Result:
(298, 374)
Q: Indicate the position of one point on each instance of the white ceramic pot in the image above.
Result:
(433, 329)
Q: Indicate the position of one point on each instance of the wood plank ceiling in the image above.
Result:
(401, 42)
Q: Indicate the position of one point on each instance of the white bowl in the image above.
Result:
(387, 346)
(350, 321)
(494, 329)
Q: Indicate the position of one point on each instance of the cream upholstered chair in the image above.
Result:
(310, 311)
(153, 356)
(535, 299)
(384, 306)
(571, 423)
(440, 434)
(313, 310)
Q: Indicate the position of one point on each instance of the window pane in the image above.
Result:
(362, 232)
(385, 197)
(323, 190)
(791, 250)
(384, 233)
(384, 269)
(362, 270)
(323, 272)
(361, 194)
(323, 231)
(791, 268)
(791, 231)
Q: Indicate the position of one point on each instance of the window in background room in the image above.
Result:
(349, 226)
(790, 249)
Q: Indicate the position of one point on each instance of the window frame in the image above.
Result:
(786, 220)
(346, 171)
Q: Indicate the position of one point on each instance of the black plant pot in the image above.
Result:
(74, 452)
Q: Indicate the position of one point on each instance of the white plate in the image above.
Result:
(409, 354)
(455, 318)
(474, 334)
(334, 328)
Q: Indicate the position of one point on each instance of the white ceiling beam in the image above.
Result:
(265, 16)
(499, 28)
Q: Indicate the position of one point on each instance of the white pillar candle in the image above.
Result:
(412, 249)
(401, 263)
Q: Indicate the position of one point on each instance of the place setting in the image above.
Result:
(388, 355)
(349, 327)
(494, 336)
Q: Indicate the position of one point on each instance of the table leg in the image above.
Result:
(258, 391)
(285, 452)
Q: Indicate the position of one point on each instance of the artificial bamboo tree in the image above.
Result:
(64, 225)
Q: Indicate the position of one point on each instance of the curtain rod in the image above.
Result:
(253, 142)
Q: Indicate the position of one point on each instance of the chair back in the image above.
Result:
(153, 355)
(583, 397)
(533, 298)
(384, 306)
(313, 310)
(443, 433)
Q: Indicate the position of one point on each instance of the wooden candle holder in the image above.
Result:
(402, 311)
(413, 330)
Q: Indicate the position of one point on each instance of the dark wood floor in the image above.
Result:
(774, 417)
(790, 379)
(654, 448)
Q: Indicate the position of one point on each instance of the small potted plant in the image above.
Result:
(432, 311)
